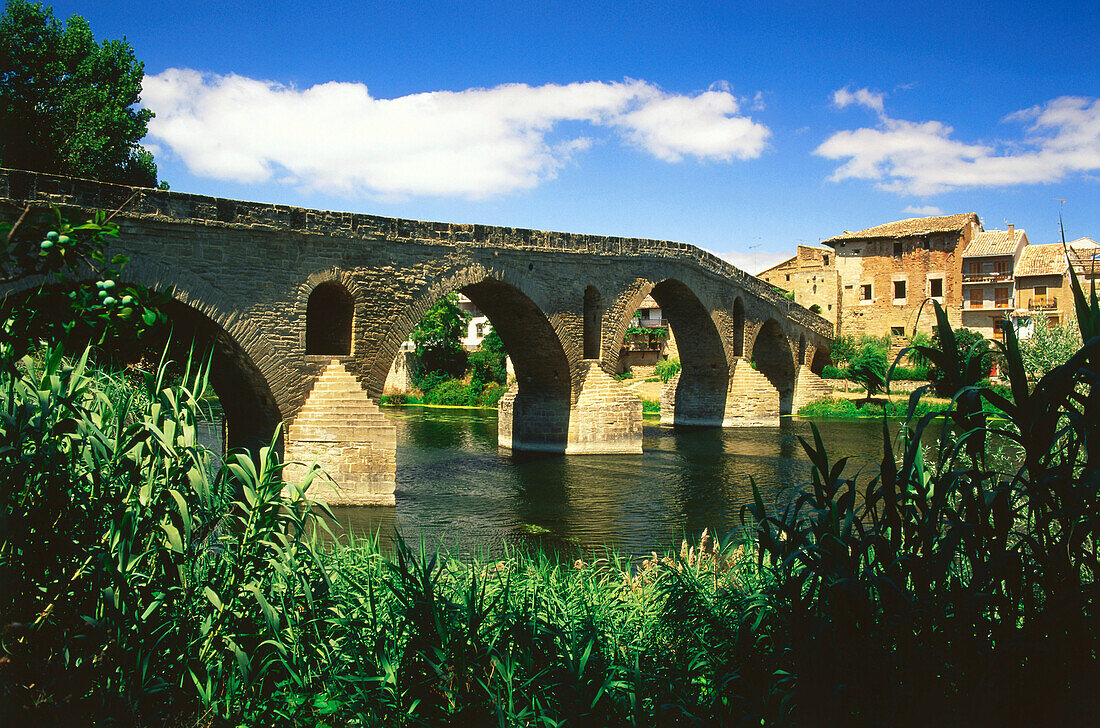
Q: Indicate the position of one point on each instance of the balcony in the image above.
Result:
(1042, 303)
(988, 277)
(648, 323)
(986, 305)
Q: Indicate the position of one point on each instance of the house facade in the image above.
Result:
(886, 273)
(811, 276)
(989, 264)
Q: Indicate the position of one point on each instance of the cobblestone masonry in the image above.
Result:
(244, 271)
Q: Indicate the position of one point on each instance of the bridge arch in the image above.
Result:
(697, 395)
(593, 319)
(771, 352)
(534, 415)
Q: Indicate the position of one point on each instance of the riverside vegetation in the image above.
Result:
(145, 584)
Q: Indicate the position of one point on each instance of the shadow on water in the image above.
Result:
(457, 489)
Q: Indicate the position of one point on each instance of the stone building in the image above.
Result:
(988, 271)
(887, 272)
(811, 276)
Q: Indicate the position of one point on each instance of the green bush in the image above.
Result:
(666, 369)
(492, 394)
(867, 368)
(453, 392)
(487, 367)
(625, 375)
(650, 407)
(831, 372)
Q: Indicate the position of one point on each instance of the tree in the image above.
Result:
(1049, 346)
(868, 369)
(67, 103)
(487, 364)
(438, 338)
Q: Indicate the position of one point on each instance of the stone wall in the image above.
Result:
(812, 277)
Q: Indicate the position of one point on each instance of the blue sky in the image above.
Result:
(744, 130)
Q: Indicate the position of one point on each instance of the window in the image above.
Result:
(976, 298)
(830, 307)
(865, 293)
(926, 244)
(935, 287)
(897, 331)
(825, 258)
(1001, 296)
(788, 276)
(815, 288)
(480, 331)
(897, 250)
(1040, 300)
(1001, 267)
(899, 290)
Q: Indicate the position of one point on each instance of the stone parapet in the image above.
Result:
(344, 432)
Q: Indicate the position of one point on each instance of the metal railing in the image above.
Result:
(1042, 303)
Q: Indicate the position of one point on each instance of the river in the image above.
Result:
(457, 489)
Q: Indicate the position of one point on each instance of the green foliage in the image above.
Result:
(974, 360)
(487, 367)
(74, 286)
(843, 349)
(666, 369)
(835, 408)
(651, 407)
(492, 342)
(868, 369)
(816, 308)
(454, 393)
(1049, 346)
(831, 372)
(67, 103)
(438, 338)
(624, 375)
(943, 576)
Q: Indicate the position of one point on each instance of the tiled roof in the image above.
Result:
(1082, 252)
(1041, 260)
(994, 242)
(911, 226)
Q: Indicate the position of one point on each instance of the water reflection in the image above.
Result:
(457, 488)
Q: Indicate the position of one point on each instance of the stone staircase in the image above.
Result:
(344, 432)
(808, 387)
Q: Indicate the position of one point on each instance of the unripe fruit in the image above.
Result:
(108, 283)
(103, 294)
(45, 245)
(108, 301)
(63, 239)
(52, 236)
(99, 284)
(127, 299)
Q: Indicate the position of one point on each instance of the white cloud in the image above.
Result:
(923, 210)
(923, 158)
(335, 137)
(862, 96)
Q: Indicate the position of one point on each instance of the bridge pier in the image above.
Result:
(750, 400)
(809, 386)
(696, 399)
(606, 418)
(344, 432)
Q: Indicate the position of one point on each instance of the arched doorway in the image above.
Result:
(738, 327)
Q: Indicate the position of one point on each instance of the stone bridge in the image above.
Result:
(284, 293)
